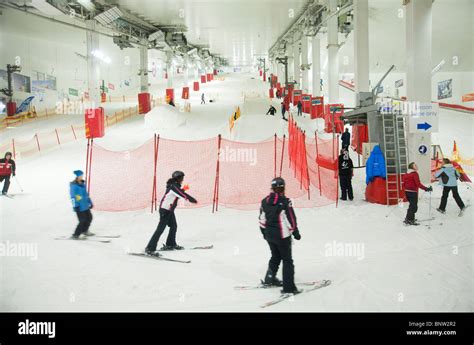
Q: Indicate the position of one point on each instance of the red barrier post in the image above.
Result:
(319, 170)
(282, 154)
(306, 163)
(337, 173)
(275, 157)
(215, 200)
(57, 136)
(37, 142)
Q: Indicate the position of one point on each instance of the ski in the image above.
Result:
(266, 286)
(11, 196)
(82, 239)
(107, 236)
(425, 220)
(285, 296)
(193, 248)
(159, 258)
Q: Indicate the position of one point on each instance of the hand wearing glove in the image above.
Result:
(192, 200)
(76, 209)
(429, 189)
(297, 235)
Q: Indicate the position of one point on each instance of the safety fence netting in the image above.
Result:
(218, 172)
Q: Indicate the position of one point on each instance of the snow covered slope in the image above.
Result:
(374, 262)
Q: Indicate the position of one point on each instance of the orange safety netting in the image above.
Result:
(218, 171)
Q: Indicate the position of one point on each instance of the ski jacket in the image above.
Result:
(345, 165)
(277, 218)
(375, 165)
(79, 197)
(411, 182)
(271, 111)
(452, 174)
(173, 193)
(7, 167)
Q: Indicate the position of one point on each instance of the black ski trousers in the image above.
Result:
(281, 251)
(346, 187)
(167, 218)
(6, 185)
(85, 219)
(412, 198)
(444, 198)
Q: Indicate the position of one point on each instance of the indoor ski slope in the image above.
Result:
(395, 268)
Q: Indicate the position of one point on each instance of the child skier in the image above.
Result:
(277, 223)
(8, 168)
(448, 179)
(167, 218)
(411, 182)
(82, 205)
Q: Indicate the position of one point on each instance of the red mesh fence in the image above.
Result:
(239, 178)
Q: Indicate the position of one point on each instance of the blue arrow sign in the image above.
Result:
(424, 126)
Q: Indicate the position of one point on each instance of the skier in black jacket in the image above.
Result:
(277, 224)
(271, 111)
(10, 167)
(345, 175)
(346, 139)
(167, 218)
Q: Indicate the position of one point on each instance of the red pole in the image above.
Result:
(90, 167)
(73, 132)
(87, 158)
(154, 174)
(156, 164)
(319, 170)
(306, 163)
(275, 157)
(37, 142)
(14, 151)
(57, 136)
(282, 152)
(337, 173)
(215, 200)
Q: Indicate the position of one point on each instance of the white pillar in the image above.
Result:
(361, 45)
(185, 71)
(418, 48)
(333, 47)
(169, 69)
(93, 68)
(296, 64)
(304, 61)
(143, 68)
(316, 67)
(289, 52)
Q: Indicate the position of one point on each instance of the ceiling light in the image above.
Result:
(107, 17)
(87, 4)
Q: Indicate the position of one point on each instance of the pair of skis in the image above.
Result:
(161, 257)
(94, 238)
(309, 286)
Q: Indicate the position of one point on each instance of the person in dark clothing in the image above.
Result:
(277, 223)
(171, 103)
(449, 176)
(167, 217)
(411, 183)
(345, 175)
(299, 105)
(271, 111)
(8, 169)
(82, 205)
(346, 139)
(203, 101)
(283, 110)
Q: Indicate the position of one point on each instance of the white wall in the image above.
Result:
(51, 48)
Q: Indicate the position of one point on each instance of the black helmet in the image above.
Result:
(278, 182)
(177, 174)
(8, 154)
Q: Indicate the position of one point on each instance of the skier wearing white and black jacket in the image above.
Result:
(167, 217)
(277, 223)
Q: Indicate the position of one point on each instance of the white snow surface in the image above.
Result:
(398, 268)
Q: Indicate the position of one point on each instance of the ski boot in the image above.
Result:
(152, 252)
(175, 247)
(88, 233)
(293, 291)
(271, 279)
(410, 222)
(441, 211)
(76, 237)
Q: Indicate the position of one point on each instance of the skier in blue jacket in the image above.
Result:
(375, 165)
(82, 205)
(448, 178)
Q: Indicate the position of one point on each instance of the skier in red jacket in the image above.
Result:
(412, 183)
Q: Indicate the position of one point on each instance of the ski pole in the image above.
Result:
(18, 183)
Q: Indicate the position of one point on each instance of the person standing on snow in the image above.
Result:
(167, 217)
(299, 105)
(271, 111)
(8, 169)
(82, 205)
(346, 139)
(411, 182)
(449, 180)
(277, 223)
(345, 175)
(203, 101)
(283, 110)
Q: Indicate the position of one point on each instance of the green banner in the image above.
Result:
(73, 92)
